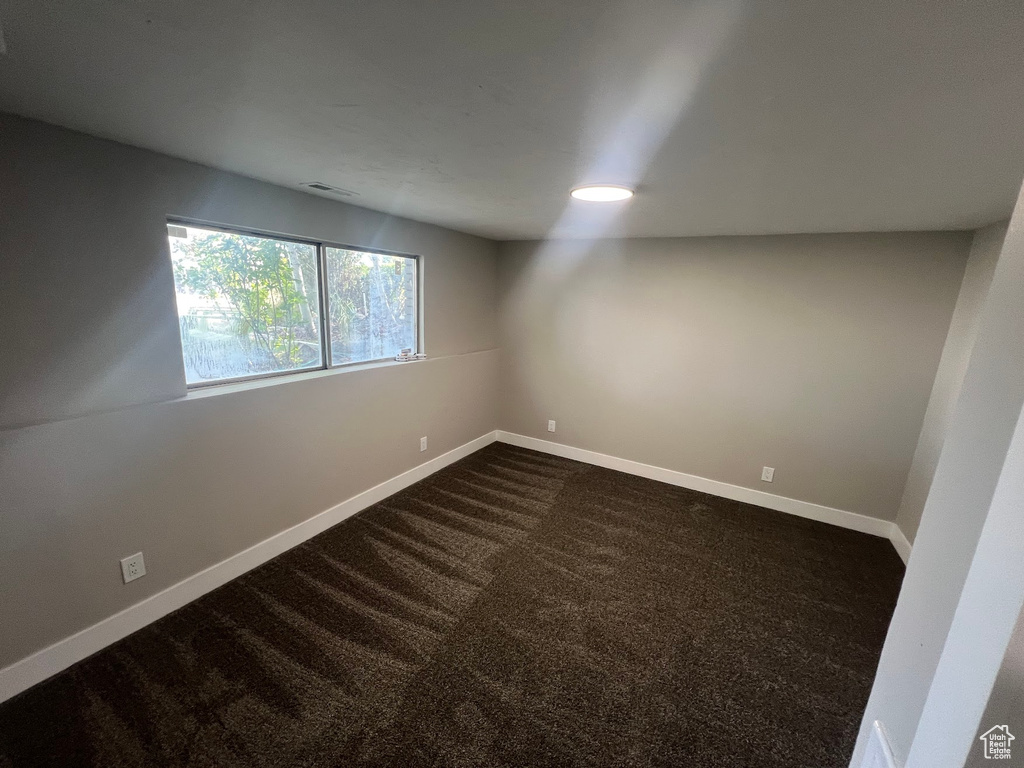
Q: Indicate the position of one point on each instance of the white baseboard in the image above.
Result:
(49, 661)
(900, 541)
(840, 517)
(53, 659)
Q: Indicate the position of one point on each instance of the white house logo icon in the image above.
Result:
(997, 742)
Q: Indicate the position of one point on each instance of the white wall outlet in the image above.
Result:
(551, 425)
(423, 444)
(133, 567)
(768, 474)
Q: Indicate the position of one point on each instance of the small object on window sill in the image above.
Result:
(406, 355)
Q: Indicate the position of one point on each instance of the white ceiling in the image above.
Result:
(729, 116)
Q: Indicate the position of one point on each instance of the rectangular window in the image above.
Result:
(372, 300)
(252, 305)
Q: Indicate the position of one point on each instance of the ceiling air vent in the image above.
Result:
(319, 186)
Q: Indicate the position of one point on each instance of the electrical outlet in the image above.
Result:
(133, 567)
(551, 425)
(423, 444)
(768, 474)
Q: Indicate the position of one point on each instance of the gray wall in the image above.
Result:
(956, 354)
(950, 534)
(716, 356)
(102, 453)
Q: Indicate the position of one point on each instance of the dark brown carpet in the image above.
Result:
(515, 609)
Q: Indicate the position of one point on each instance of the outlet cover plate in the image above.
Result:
(133, 567)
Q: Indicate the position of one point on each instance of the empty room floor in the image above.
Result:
(514, 609)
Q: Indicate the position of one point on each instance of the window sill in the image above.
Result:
(209, 390)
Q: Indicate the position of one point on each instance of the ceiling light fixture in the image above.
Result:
(602, 193)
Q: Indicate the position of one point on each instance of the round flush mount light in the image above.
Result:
(602, 193)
